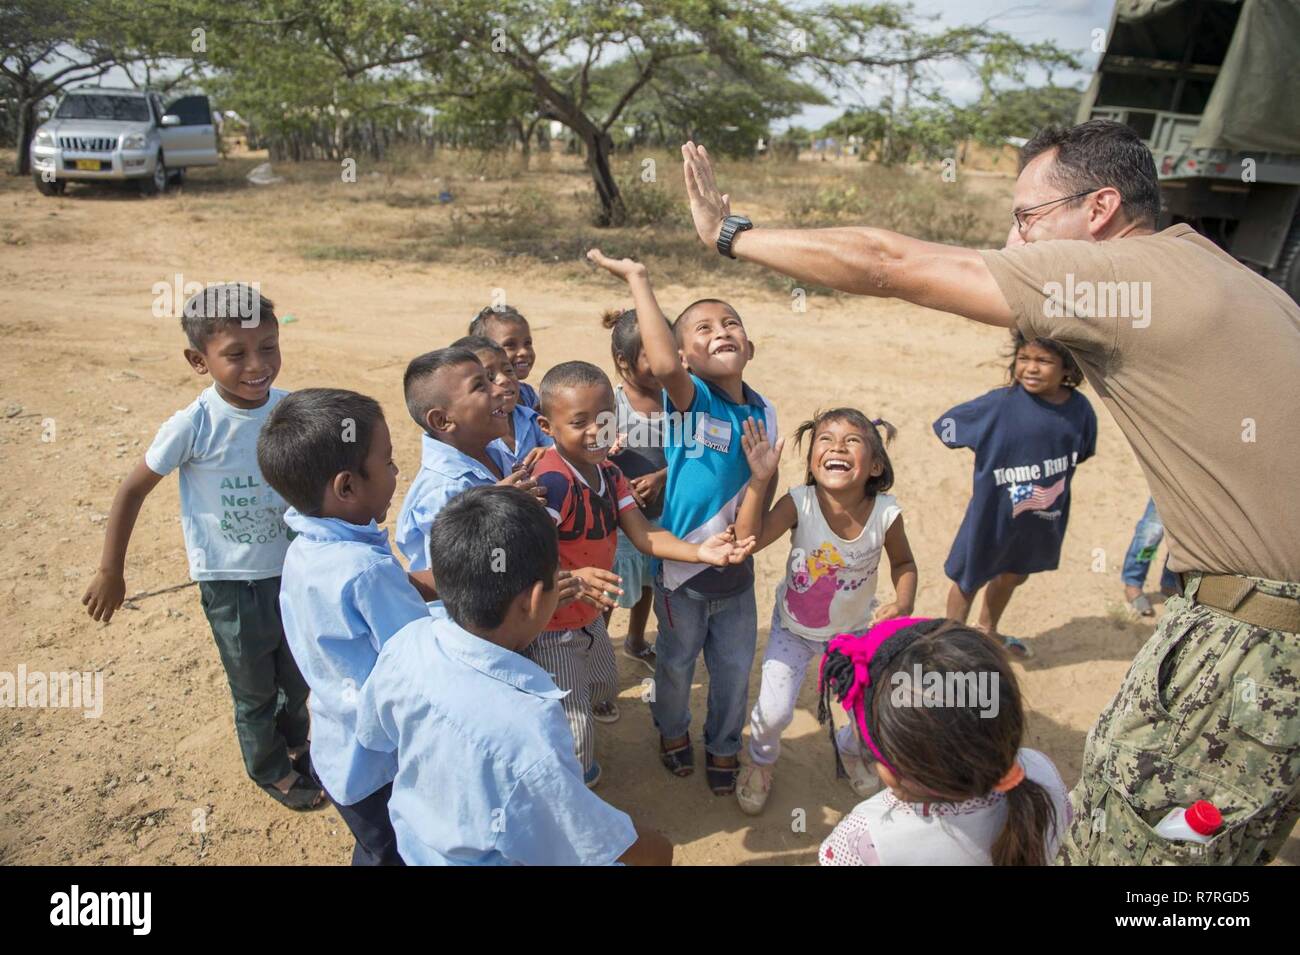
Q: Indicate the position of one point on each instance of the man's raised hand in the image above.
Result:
(709, 206)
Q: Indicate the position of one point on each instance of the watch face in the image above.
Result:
(739, 221)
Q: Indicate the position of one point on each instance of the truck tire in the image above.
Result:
(155, 184)
(55, 188)
(1287, 271)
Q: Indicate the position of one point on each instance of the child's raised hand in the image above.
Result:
(105, 594)
(763, 458)
(722, 549)
(623, 268)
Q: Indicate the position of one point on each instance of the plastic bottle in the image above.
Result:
(1197, 823)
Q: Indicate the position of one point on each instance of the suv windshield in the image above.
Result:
(100, 106)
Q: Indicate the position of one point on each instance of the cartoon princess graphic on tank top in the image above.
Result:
(814, 579)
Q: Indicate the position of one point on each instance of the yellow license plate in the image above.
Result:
(91, 165)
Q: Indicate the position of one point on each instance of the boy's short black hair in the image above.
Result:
(487, 546)
(312, 436)
(569, 374)
(677, 322)
(208, 310)
(478, 343)
(417, 383)
(506, 314)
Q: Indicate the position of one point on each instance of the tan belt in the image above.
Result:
(1237, 597)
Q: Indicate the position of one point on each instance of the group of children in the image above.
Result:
(453, 702)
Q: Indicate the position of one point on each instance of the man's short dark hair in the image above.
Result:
(486, 547)
(569, 374)
(1101, 152)
(312, 436)
(506, 314)
(216, 306)
(417, 383)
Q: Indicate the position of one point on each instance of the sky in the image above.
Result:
(1069, 23)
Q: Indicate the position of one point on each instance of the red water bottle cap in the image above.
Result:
(1203, 817)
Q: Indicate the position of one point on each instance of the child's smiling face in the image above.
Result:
(515, 337)
(1039, 370)
(375, 489)
(575, 417)
(501, 375)
(475, 410)
(243, 362)
(713, 341)
(840, 456)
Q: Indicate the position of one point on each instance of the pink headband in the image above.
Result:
(860, 649)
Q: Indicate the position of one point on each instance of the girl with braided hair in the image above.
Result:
(937, 706)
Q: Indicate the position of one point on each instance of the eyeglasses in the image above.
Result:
(1020, 216)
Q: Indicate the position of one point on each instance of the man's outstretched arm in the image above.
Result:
(863, 261)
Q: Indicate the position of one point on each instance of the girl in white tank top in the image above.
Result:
(840, 521)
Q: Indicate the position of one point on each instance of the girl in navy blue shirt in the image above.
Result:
(1027, 438)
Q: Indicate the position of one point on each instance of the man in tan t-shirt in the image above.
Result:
(1198, 360)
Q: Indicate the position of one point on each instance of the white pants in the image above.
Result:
(785, 664)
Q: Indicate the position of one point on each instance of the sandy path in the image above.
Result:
(158, 778)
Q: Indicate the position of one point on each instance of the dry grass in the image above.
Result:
(543, 215)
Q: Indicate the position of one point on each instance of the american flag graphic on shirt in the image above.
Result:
(1031, 497)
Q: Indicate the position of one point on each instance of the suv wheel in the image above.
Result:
(55, 188)
(156, 183)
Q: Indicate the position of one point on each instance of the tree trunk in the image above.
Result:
(23, 139)
(599, 147)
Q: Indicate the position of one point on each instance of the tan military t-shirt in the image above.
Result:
(1198, 359)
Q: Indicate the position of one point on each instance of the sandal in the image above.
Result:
(646, 656)
(680, 760)
(722, 779)
(605, 712)
(1141, 606)
(302, 796)
(1018, 648)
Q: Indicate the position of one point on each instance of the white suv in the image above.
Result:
(97, 134)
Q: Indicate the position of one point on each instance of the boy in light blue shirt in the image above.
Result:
(329, 454)
(486, 773)
(235, 536)
(525, 440)
(461, 413)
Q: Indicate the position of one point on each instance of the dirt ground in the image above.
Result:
(87, 374)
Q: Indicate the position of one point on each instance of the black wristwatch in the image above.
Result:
(730, 227)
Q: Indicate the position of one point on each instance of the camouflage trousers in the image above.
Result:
(1209, 709)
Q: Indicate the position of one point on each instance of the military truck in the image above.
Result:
(1208, 85)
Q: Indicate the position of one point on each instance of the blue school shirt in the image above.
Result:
(444, 473)
(528, 396)
(233, 521)
(1026, 450)
(342, 596)
(486, 773)
(707, 474)
(528, 435)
